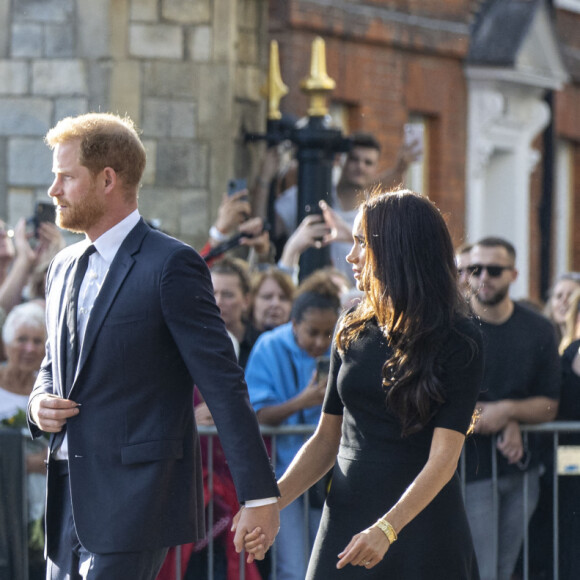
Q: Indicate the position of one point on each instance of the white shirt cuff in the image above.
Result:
(260, 502)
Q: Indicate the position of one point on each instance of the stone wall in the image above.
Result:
(187, 71)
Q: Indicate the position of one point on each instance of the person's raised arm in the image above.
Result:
(311, 233)
(23, 265)
(233, 210)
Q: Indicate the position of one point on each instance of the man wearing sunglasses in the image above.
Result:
(520, 384)
(462, 259)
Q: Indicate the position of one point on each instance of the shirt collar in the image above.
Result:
(109, 243)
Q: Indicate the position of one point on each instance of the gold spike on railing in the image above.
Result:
(318, 84)
(274, 88)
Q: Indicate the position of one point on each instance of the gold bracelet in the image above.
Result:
(387, 529)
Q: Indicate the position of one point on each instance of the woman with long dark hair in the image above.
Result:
(404, 378)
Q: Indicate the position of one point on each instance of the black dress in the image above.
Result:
(375, 465)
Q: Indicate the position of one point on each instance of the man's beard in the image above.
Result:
(495, 298)
(83, 215)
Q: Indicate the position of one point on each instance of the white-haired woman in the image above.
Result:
(24, 337)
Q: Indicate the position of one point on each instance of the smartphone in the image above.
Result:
(322, 367)
(44, 211)
(235, 185)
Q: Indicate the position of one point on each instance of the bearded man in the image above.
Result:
(126, 312)
(521, 384)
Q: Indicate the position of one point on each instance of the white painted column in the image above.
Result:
(504, 119)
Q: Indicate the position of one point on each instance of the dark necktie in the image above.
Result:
(72, 349)
(72, 346)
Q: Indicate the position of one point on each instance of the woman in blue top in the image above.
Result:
(286, 390)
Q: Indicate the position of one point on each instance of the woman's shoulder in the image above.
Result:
(464, 343)
(466, 327)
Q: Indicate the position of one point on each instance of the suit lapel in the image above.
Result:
(118, 272)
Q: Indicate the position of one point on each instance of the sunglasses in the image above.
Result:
(492, 271)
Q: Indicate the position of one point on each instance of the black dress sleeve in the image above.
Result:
(462, 375)
(333, 404)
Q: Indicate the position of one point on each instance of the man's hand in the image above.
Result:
(50, 412)
(267, 519)
(493, 418)
(509, 442)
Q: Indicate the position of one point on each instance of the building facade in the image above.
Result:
(493, 87)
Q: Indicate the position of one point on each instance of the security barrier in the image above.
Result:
(13, 529)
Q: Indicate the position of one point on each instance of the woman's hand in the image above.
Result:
(366, 549)
(203, 415)
(254, 541)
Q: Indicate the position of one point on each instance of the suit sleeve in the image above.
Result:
(194, 321)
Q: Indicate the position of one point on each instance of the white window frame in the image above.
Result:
(417, 175)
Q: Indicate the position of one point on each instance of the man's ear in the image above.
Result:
(110, 179)
(515, 274)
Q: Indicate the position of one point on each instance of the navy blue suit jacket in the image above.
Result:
(134, 458)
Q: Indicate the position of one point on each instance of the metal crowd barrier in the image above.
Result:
(13, 539)
(554, 428)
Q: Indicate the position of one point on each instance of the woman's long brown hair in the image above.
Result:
(410, 282)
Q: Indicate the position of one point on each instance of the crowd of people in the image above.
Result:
(397, 384)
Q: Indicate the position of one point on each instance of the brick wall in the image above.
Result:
(384, 70)
(392, 58)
